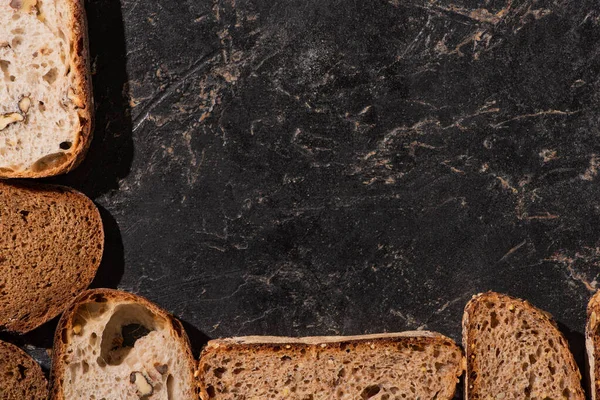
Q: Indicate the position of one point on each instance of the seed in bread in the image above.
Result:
(515, 351)
(410, 365)
(51, 244)
(20, 376)
(116, 345)
(46, 109)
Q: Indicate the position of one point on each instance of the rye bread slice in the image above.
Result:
(115, 345)
(20, 376)
(407, 365)
(51, 243)
(515, 351)
(46, 106)
(592, 343)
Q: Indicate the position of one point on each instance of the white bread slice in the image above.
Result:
(515, 351)
(46, 109)
(592, 343)
(51, 244)
(410, 365)
(115, 345)
(20, 376)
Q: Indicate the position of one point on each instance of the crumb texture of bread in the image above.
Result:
(45, 115)
(515, 351)
(592, 342)
(20, 376)
(417, 367)
(120, 346)
(51, 244)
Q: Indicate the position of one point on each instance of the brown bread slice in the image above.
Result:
(515, 351)
(21, 378)
(115, 345)
(51, 243)
(410, 365)
(592, 343)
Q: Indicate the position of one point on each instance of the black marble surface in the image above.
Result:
(324, 167)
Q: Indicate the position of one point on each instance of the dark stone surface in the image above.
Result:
(336, 167)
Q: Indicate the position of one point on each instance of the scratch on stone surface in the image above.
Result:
(513, 250)
(534, 115)
(591, 172)
(408, 319)
(569, 263)
(506, 184)
(547, 215)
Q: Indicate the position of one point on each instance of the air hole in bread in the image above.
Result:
(4, 68)
(170, 388)
(370, 391)
(65, 145)
(12, 78)
(128, 324)
(18, 31)
(17, 40)
(51, 76)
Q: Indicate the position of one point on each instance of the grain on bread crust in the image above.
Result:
(33, 128)
(386, 366)
(592, 342)
(20, 376)
(112, 344)
(515, 350)
(51, 244)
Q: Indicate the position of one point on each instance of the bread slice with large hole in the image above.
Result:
(51, 244)
(592, 344)
(20, 376)
(115, 345)
(46, 107)
(410, 365)
(515, 351)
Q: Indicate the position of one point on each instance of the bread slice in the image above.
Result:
(51, 243)
(115, 345)
(515, 351)
(592, 343)
(411, 365)
(20, 376)
(46, 108)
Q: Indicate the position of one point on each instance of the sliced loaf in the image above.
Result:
(515, 351)
(20, 376)
(115, 345)
(411, 365)
(51, 243)
(46, 109)
(592, 344)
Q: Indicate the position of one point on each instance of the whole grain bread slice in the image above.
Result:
(51, 243)
(592, 344)
(46, 106)
(115, 345)
(20, 376)
(410, 365)
(515, 351)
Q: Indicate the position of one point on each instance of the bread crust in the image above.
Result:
(468, 336)
(57, 192)
(80, 68)
(65, 328)
(266, 343)
(34, 378)
(591, 336)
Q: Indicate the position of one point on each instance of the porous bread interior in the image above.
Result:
(517, 353)
(97, 364)
(406, 368)
(51, 243)
(20, 376)
(36, 52)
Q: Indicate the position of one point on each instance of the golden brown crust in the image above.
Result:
(469, 333)
(65, 327)
(273, 344)
(78, 272)
(592, 342)
(20, 376)
(80, 68)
